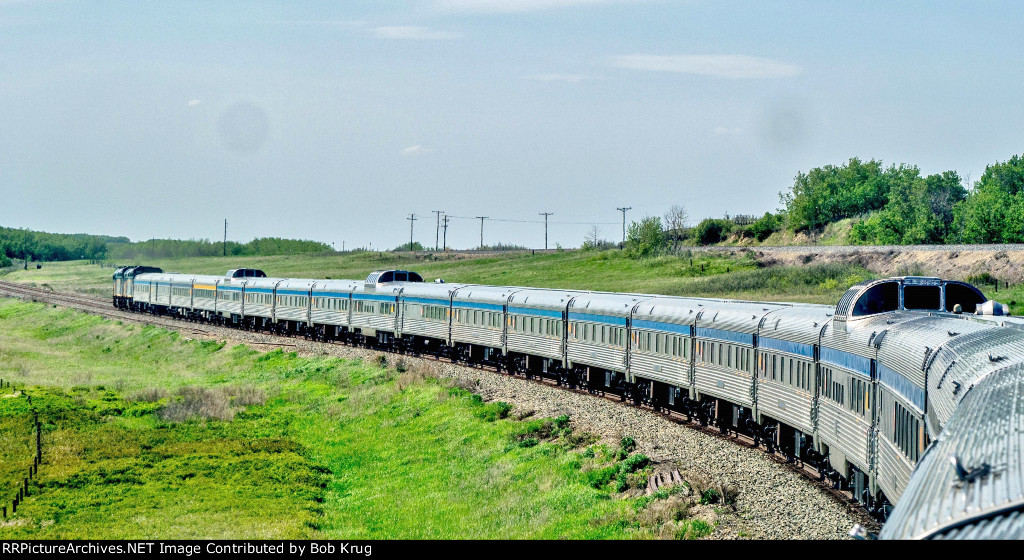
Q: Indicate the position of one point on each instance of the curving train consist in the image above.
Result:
(909, 392)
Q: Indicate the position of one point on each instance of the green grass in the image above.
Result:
(697, 273)
(327, 448)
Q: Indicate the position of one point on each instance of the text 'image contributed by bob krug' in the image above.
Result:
(190, 548)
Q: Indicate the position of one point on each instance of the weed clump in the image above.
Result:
(152, 394)
(245, 395)
(193, 403)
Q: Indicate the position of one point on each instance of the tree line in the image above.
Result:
(24, 244)
(887, 205)
(897, 205)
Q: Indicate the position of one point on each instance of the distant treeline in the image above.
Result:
(173, 248)
(891, 205)
(40, 246)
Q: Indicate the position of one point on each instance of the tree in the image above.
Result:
(675, 221)
(645, 238)
(993, 211)
(712, 231)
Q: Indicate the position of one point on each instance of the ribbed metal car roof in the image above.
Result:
(676, 310)
(496, 295)
(736, 317)
(429, 290)
(911, 347)
(540, 298)
(801, 323)
(962, 362)
(985, 429)
(615, 305)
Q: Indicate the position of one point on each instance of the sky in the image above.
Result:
(336, 121)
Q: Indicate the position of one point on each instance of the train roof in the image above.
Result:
(799, 323)
(497, 295)
(429, 290)
(970, 482)
(602, 303)
(543, 298)
(736, 317)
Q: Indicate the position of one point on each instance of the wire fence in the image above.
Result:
(27, 456)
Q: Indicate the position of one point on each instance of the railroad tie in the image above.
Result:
(676, 477)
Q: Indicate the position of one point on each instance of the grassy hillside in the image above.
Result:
(148, 434)
(703, 274)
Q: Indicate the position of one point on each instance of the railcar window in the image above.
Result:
(879, 299)
(964, 295)
(922, 297)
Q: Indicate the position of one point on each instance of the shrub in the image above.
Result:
(494, 411)
(196, 402)
(645, 238)
(635, 463)
(712, 231)
(245, 395)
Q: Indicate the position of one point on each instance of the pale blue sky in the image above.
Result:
(335, 121)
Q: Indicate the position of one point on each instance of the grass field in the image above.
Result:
(700, 274)
(150, 435)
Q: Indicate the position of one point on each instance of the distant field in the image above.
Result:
(149, 435)
(702, 274)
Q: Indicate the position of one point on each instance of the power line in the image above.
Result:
(446, 218)
(545, 214)
(437, 232)
(412, 220)
(623, 210)
(536, 221)
(482, 218)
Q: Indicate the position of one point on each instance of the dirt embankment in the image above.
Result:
(1004, 265)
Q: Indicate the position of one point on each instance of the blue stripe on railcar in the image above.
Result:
(659, 326)
(229, 289)
(292, 292)
(852, 362)
(620, 321)
(789, 346)
(474, 305)
(374, 298)
(537, 312)
(341, 295)
(728, 336)
(903, 386)
(426, 301)
(258, 291)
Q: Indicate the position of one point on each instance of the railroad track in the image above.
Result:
(104, 308)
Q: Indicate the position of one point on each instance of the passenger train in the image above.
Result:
(909, 392)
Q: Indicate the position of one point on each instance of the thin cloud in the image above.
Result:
(411, 32)
(733, 66)
(723, 131)
(194, 102)
(416, 150)
(514, 6)
(570, 78)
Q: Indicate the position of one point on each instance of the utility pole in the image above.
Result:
(546, 214)
(437, 232)
(482, 218)
(445, 239)
(225, 237)
(623, 210)
(412, 220)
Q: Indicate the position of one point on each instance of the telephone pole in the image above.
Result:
(546, 214)
(623, 210)
(225, 237)
(482, 218)
(445, 239)
(412, 220)
(437, 232)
